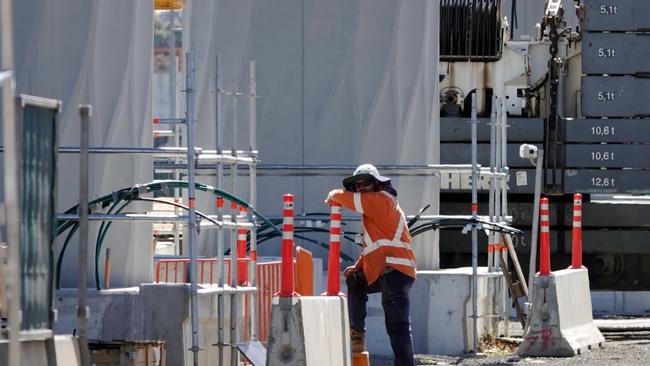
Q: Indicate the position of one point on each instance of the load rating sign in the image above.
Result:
(615, 96)
(615, 15)
(606, 181)
(606, 130)
(607, 156)
(615, 53)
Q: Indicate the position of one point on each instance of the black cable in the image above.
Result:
(446, 223)
(198, 213)
(513, 18)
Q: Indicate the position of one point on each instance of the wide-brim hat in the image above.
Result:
(363, 171)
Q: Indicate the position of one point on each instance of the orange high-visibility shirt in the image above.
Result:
(387, 242)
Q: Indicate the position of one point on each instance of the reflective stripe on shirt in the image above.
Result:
(400, 261)
(384, 243)
(396, 243)
(357, 202)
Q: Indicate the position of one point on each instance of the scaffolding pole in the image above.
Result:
(11, 182)
(234, 278)
(491, 237)
(219, 183)
(474, 122)
(82, 211)
(191, 197)
(176, 128)
(252, 181)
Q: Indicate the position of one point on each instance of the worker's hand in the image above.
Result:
(348, 271)
(328, 200)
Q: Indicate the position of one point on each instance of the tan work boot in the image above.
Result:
(357, 341)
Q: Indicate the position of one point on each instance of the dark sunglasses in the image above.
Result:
(363, 183)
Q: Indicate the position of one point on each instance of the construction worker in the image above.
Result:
(386, 264)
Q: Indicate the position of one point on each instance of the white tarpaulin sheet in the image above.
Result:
(100, 53)
(341, 82)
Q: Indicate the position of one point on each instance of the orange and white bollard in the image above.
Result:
(333, 269)
(545, 240)
(242, 267)
(286, 284)
(576, 237)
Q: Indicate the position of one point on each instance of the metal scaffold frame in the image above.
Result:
(11, 186)
(233, 158)
(234, 222)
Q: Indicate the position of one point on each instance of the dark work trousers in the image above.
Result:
(394, 287)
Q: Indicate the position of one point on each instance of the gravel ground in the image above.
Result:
(629, 349)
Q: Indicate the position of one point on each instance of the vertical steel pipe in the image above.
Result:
(493, 182)
(252, 180)
(11, 159)
(504, 169)
(233, 234)
(474, 229)
(191, 202)
(219, 183)
(85, 112)
(532, 264)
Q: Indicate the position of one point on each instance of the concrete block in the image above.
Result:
(441, 309)
(561, 322)
(32, 351)
(67, 350)
(309, 330)
(631, 303)
(113, 313)
(153, 312)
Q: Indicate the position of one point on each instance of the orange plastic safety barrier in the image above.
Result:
(304, 272)
(177, 270)
(268, 280)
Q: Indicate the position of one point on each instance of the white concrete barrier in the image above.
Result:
(67, 350)
(34, 350)
(630, 303)
(309, 330)
(441, 309)
(560, 322)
